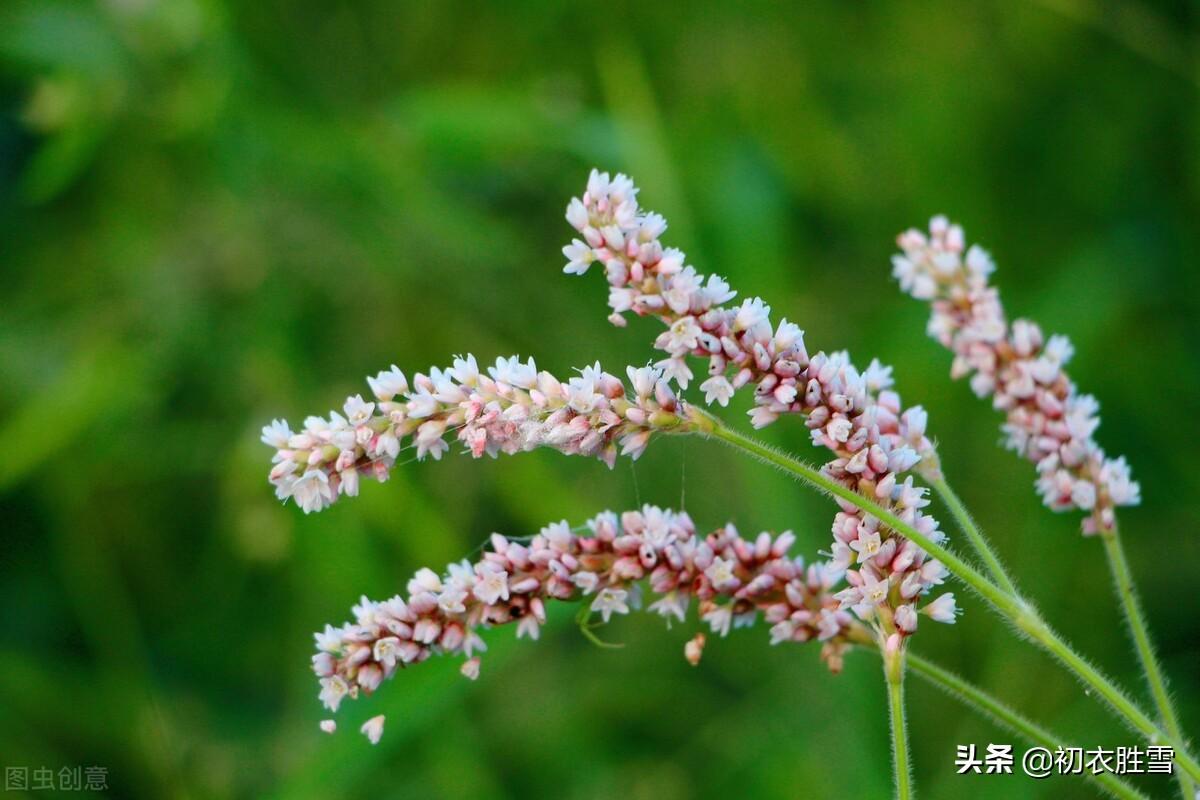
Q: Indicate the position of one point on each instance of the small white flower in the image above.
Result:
(491, 586)
(672, 604)
(943, 609)
(333, 689)
(717, 389)
(514, 373)
(610, 601)
(752, 312)
(425, 580)
(388, 384)
(828, 625)
(473, 643)
(577, 214)
(387, 444)
(657, 526)
(328, 725)
(330, 640)
(386, 651)
(422, 404)
(451, 601)
(676, 369)
(1121, 488)
(717, 292)
(839, 429)
(586, 581)
(681, 336)
(782, 632)
(874, 591)
(558, 535)
(719, 619)
(358, 412)
(721, 574)
(906, 619)
(979, 262)
(373, 729)
(877, 376)
(465, 370)
(867, 545)
(1083, 495)
(643, 379)
(529, 627)
(582, 395)
(276, 434)
(460, 575)
(311, 491)
(579, 257)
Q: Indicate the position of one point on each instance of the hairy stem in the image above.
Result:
(893, 670)
(1014, 608)
(974, 534)
(1141, 639)
(1006, 717)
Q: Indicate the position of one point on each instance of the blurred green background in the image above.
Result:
(214, 213)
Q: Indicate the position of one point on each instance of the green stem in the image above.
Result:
(893, 670)
(1006, 717)
(1141, 639)
(1013, 607)
(1129, 603)
(974, 534)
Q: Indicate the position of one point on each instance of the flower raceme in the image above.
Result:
(739, 341)
(1047, 420)
(854, 414)
(730, 579)
(508, 408)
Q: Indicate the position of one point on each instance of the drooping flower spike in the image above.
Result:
(739, 341)
(509, 408)
(1047, 420)
(855, 414)
(731, 580)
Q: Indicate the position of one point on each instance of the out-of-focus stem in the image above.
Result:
(1141, 638)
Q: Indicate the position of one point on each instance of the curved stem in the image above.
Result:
(1013, 607)
(1141, 639)
(974, 534)
(1006, 717)
(893, 670)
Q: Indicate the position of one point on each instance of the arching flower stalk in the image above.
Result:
(511, 407)
(854, 414)
(1047, 420)
(730, 580)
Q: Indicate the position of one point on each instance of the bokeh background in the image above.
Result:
(214, 213)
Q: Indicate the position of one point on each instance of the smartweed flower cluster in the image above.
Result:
(1048, 420)
(730, 580)
(509, 408)
(887, 554)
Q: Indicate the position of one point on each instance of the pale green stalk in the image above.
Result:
(1129, 604)
(1013, 607)
(1141, 639)
(893, 670)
